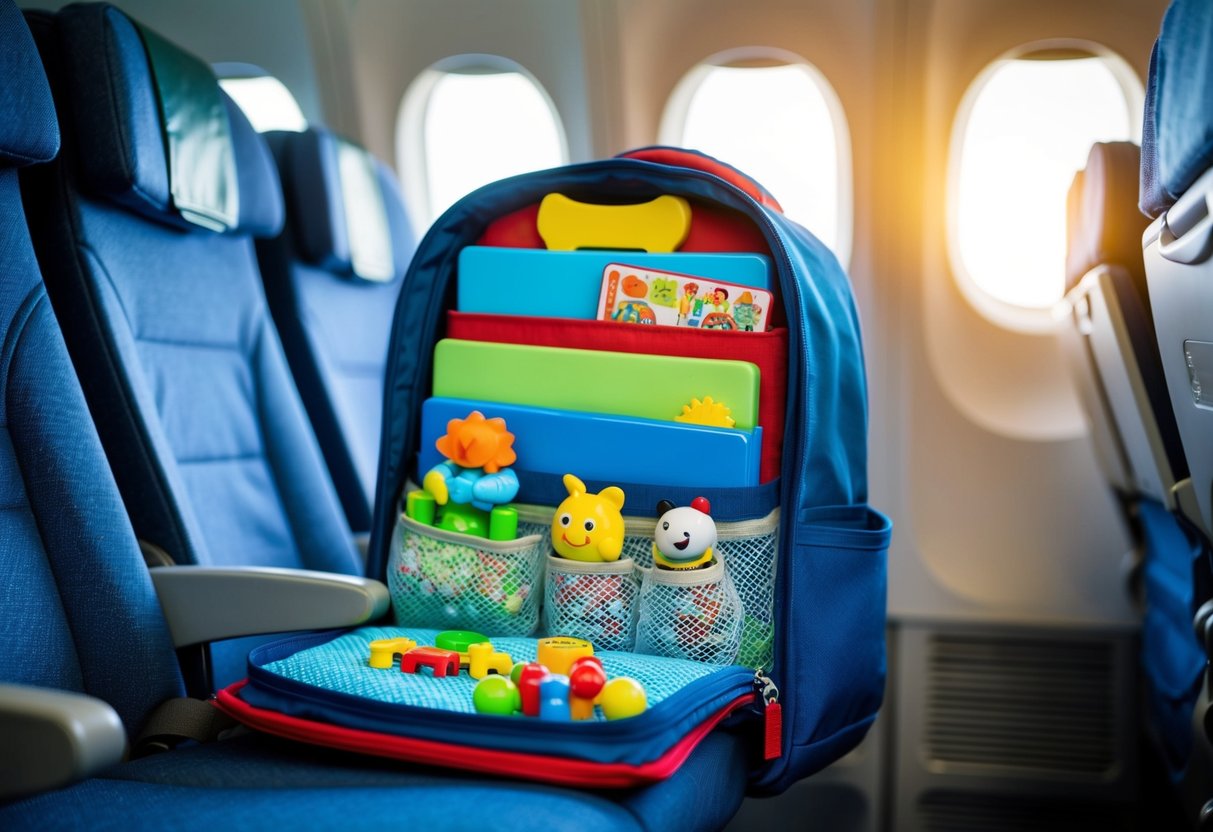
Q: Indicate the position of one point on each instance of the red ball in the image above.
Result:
(586, 679)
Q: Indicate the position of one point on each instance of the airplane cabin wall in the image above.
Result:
(1002, 512)
(271, 34)
(391, 43)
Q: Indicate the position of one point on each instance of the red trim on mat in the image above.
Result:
(561, 771)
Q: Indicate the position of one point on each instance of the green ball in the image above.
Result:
(516, 671)
(496, 695)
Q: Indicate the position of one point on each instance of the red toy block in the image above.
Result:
(440, 661)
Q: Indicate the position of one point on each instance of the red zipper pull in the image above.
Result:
(772, 717)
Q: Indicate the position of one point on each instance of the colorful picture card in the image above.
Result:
(639, 295)
(566, 284)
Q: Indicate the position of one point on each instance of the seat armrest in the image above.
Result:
(53, 737)
(209, 603)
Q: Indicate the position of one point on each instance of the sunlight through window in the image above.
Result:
(1029, 126)
(783, 126)
(479, 128)
(266, 102)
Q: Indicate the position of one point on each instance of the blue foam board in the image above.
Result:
(611, 448)
(566, 284)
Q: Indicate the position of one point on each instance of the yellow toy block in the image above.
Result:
(657, 226)
(558, 653)
(484, 658)
(385, 649)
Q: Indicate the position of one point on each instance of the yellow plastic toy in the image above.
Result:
(657, 226)
(588, 527)
(482, 659)
(622, 697)
(384, 650)
(558, 653)
(707, 412)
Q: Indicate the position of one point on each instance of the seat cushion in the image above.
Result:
(227, 782)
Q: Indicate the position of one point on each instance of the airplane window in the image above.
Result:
(781, 124)
(477, 126)
(1024, 131)
(267, 102)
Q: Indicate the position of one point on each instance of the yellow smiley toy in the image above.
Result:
(588, 527)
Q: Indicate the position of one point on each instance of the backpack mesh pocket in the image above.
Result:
(749, 550)
(594, 601)
(693, 614)
(449, 580)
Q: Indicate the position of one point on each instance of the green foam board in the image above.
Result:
(621, 384)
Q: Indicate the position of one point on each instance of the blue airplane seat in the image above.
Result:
(62, 598)
(77, 594)
(1110, 308)
(145, 230)
(332, 279)
(1176, 182)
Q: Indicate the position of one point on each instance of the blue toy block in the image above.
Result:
(608, 448)
(554, 698)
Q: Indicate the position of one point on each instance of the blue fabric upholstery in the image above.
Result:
(334, 326)
(79, 610)
(28, 129)
(1177, 138)
(268, 780)
(1176, 578)
(120, 806)
(112, 99)
(170, 333)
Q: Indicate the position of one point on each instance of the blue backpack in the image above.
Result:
(820, 629)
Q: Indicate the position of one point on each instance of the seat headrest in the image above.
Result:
(1177, 132)
(1104, 225)
(344, 206)
(156, 133)
(29, 132)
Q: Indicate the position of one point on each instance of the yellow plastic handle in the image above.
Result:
(657, 226)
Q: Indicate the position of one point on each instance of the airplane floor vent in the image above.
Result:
(1047, 706)
(947, 812)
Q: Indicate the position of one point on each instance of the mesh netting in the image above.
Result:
(750, 559)
(439, 579)
(690, 615)
(599, 606)
(749, 550)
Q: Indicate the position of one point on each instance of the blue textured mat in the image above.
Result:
(341, 665)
